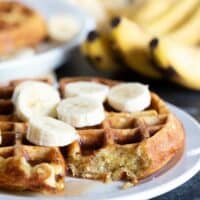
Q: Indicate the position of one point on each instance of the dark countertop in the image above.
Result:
(185, 99)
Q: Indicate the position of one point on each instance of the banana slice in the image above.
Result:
(20, 87)
(47, 131)
(63, 27)
(96, 91)
(80, 111)
(32, 98)
(129, 97)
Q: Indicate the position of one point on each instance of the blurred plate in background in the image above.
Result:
(48, 56)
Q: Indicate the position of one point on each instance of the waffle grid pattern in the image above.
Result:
(119, 134)
(23, 165)
(125, 146)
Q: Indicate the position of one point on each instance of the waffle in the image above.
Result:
(19, 27)
(24, 166)
(126, 146)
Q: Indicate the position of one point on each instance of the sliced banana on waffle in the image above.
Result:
(90, 89)
(80, 111)
(47, 131)
(62, 27)
(32, 98)
(129, 97)
(20, 87)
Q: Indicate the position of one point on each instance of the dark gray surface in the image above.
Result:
(185, 99)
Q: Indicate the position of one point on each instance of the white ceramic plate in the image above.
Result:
(51, 56)
(175, 173)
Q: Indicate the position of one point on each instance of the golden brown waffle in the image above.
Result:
(24, 166)
(126, 146)
(19, 27)
(6, 106)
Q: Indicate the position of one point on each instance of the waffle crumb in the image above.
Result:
(127, 185)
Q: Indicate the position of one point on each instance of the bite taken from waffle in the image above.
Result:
(90, 127)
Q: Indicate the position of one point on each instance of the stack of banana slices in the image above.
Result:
(159, 40)
(55, 122)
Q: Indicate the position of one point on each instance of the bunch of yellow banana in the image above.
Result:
(98, 52)
(159, 40)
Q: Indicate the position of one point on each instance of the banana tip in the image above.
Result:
(154, 43)
(92, 35)
(170, 72)
(115, 21)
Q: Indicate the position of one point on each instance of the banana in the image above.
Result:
(47, 131)
(93, 90)
(175, 17)
(20, 87)
(178, 62)
(132, 42)
(62, 27)
(189, 32)
(152, 10)
(129, 97)
(32, 98)
(98, 52)
(80, 111)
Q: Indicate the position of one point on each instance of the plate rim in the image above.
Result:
(174, 183)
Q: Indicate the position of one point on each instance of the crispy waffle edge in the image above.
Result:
(148, 155)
